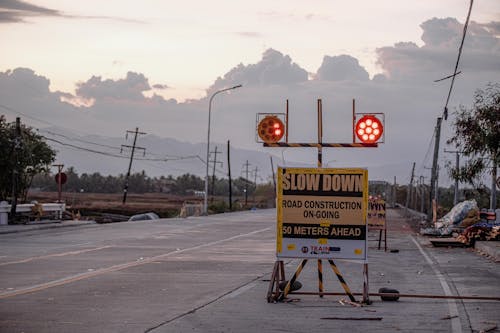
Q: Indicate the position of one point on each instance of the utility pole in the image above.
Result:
(437, 186)
(409, 190)
(256, 170)
(229, 175)
(457, 166)
(274, 175)
(133, 147)
(435, 168)
(422, 188)
(494, 183)
(246, 182)
(59, 181)
(434, 171)
(15, 172)
(213, 174)
(394, 193)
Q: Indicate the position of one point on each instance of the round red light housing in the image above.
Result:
(369, 129)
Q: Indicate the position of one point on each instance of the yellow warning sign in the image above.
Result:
(322, 212)
(376, 214)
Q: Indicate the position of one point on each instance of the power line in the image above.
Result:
(79, 140)
(167, 158)
(466, 24)
(177, 158)
(447, 77)
(25, 115)
(426, 157)
(83, 148)
(161, 158)
(435, 166)
(40, 120)
(58, 134)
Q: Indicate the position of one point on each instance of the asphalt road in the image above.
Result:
(211, 274)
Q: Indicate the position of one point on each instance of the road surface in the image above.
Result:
(211, 274)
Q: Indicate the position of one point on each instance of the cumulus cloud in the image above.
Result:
(160, 86)
(16, 11)
(27, 94)
(493, 28)
(103, 106)
(436, 58)
(24, 79)
(274, 68)
(343, 67)
(441, 32)
(130, 88)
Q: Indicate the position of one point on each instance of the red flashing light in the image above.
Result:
(271, 129)
(369, 129)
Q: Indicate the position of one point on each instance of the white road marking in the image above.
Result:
(456, 326)
(54, 255)
(115, 268)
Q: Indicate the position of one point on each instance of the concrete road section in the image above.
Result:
(211, 274)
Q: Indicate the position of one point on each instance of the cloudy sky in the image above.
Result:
(104, 67)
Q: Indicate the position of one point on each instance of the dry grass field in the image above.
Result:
(95, 204)
(108, 207)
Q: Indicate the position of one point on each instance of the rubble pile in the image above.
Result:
(466, 219)
(482, 231)
(459, 213)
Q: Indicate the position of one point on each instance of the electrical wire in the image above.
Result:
(25, 115)
(120, 156)
(160, 159)
(453, 76)
(466, 24)
(76, 139)
(42, 121)
(82, 148)
(426, 157)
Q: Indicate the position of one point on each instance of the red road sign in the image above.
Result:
(64, 178)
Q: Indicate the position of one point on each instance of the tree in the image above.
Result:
(34, 156)
(477, 135)
(186, 183)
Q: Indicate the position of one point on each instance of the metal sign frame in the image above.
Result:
(274, 292)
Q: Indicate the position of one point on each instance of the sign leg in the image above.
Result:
(320, 277)
(272, 282)
(341, 280)
(385, 238)
(293, 279)
(366, 293)
(277, 276)
(379, 238)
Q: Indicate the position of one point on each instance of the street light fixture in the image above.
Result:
(205, 204)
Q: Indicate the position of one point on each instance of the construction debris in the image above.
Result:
(445, 225)
(352, 318)
(479, 232)
(343, 301)
(393, 294)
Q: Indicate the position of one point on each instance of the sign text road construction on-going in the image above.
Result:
(321, 213)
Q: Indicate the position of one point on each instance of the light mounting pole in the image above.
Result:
(205, 203)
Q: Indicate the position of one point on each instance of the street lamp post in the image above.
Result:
(205, 204)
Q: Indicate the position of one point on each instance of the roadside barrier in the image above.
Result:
(36, 208)
(376, 219)
(191, 209)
